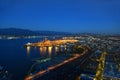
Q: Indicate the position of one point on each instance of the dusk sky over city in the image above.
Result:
(61, 15)
(60, 39)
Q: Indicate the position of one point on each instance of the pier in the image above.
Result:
(48, 43)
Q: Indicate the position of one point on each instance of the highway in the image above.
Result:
(68, 71)
(52, 68)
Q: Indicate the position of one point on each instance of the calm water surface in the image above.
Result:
(17, 58)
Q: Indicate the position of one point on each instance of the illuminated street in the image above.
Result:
(54, 67)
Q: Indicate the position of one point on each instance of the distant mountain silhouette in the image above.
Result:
(26, 32)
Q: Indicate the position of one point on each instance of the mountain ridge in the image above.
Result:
(27, 32)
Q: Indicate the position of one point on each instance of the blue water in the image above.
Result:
(15, 57)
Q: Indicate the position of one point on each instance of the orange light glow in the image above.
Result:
(50, 50)
(56, 49)
(44, 49)
(28, 49)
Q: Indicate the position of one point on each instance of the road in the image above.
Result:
(52, 68)
(68, 71)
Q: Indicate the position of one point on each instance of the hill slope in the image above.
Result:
(25, 32)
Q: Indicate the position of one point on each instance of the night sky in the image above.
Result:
(96, 16)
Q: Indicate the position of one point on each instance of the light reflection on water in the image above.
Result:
(28, 49)
(44, 49)
(47, 50)
(56, 49)
(41, 50)
(17, 58)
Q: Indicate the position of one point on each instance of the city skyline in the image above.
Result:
(100, 16)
